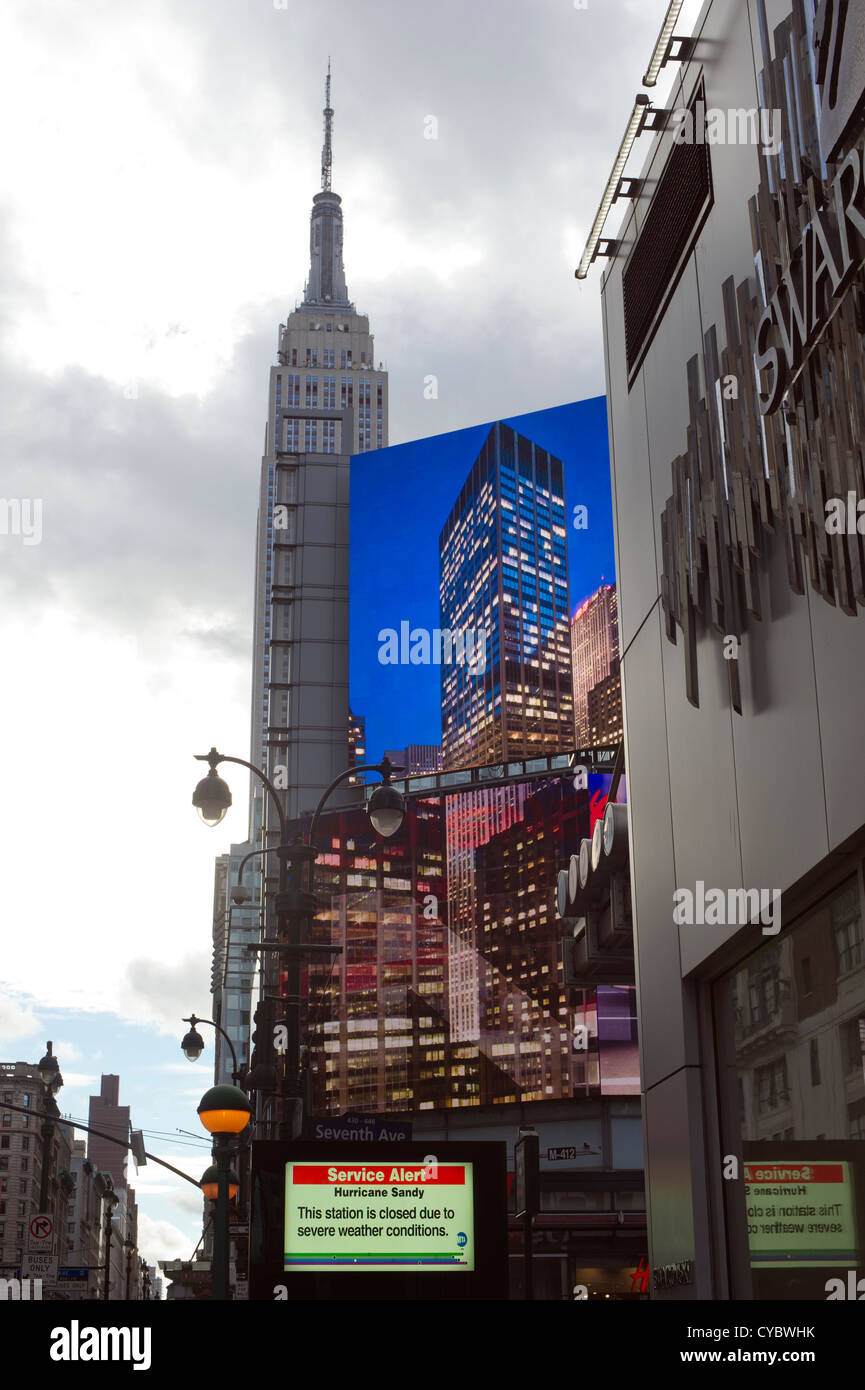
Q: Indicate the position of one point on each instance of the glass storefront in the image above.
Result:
(790, 1026)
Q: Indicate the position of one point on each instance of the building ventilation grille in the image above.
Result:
(678, 210)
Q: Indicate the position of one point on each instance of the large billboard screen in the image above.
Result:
(483, 634)
(348, 1215)
(447, 989)
(472, 555)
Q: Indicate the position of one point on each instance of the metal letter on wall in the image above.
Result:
(777, 415)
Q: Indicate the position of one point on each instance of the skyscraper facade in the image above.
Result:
(605, 708)
(236, 926)
(356, 744)
(327, 400)
(594, 648)
(106, 1113)
(21, 1155)
(504, 595)
(375, 1016)
(416, 757)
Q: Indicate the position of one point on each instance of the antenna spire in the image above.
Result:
(326, 151)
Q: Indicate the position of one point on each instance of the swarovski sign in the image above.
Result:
(825, 262)
(776, 427)
(840, 43)
(831, 250)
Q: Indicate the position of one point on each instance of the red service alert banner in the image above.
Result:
(358, 1176)
(795, 1172)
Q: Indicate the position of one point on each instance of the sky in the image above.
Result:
(394, 554)
(158, 170)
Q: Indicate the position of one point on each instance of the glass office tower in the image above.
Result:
(507, 687)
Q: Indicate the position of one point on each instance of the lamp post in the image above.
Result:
(295, 901)
(224, 1111)
(52, 1080)
(104, 1184)
(193, 1044)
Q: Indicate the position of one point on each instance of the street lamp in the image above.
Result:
(209, 1183)
(104, 1184)
(193, 1044)
(224, 1111)
(52, 1080)
(294, 904)
(386, 810)
(211, 798)
(49, 1070)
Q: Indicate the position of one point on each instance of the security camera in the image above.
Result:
(239, 894)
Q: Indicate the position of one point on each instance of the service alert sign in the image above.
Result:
(801, 1213)
(379, 1216)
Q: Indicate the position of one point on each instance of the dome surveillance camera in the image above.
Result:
(239, 894)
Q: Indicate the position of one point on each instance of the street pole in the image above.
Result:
(527, 1197)
(294, 907)
(295, 900)
(107, 1281)
(220, 1225)
(528, 1268)
(47, 1132)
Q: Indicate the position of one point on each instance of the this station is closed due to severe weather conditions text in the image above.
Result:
(379, 1216)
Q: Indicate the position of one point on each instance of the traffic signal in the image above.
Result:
(137, 1146)
(262, 1069)
(262, 1032)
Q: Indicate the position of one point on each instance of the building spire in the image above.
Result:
(326, 151)
(326, 283)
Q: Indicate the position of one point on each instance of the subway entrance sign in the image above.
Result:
(382, 1220)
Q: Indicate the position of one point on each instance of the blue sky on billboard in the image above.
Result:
(400, 500)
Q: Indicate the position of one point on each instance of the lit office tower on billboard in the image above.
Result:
(327, 401)
(595, 654)
(506, 689)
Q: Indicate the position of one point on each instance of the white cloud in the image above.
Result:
(162, 1240)
(85, 1081)
(17, 1020)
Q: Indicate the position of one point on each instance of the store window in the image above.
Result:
(790, 1027)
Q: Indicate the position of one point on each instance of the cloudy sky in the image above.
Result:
(158, 169)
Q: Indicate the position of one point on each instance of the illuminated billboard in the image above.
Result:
(378, 1220)
(447, 988)
(470, 555)
(349, 1215)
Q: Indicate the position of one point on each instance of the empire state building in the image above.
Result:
(327, 400)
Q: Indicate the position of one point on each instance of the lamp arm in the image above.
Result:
(349, 772)
(193, 1020)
